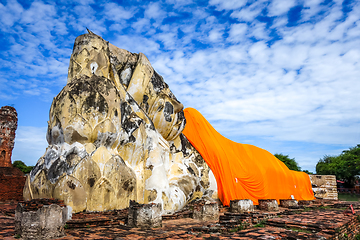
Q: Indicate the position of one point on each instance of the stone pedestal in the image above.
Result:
(286, 203)
(206, 211)
(268, 205)
(241, 206)
(33, 220)
(144, 215)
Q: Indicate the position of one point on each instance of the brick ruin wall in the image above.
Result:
(324, 186)
(8, 125)
(12, 180)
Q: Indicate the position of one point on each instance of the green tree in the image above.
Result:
(307, 172)
(22, 166)
(344, 166)
(289, 162)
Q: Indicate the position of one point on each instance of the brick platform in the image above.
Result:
(320, 220)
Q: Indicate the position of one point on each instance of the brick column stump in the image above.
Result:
(305, 202)
(287, 203)
(33, 220)
(206, 211)
(144, 215)
(241, 206)
(270, 205)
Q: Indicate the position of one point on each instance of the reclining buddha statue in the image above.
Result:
(116, 133)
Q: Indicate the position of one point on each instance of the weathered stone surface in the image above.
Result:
(286, 203)
(40, 222)
(241, 206)
(8, 125)
(207, 211)
(114, 135)
(268, 205)
(144, 215)
(324, 186)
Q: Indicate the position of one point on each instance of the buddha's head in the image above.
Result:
(150, 91)
(164, 109)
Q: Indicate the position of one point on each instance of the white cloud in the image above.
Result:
(10, 13)
(258, 30)
(249, 13)
(30, 144)
(280, 7)
(259, 52)
(227, 4)
(154, 11)
(215, 35)
(237, 32)
(115, 12)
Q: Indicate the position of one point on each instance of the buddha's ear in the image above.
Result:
(140, 78)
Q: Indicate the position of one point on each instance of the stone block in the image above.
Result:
(241, 206)
(324, 186)
(206, 211)
(145, 215)
(37, 221)
(286, 203)
(268, 205)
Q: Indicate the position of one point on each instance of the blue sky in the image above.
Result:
(282, 75)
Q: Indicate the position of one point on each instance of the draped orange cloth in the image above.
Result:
(243, 171)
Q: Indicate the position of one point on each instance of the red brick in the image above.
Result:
(12, 182)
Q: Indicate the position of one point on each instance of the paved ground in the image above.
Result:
(319, 223)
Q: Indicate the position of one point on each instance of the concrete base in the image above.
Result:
(144, 215)
(268, 205)
(241, 206)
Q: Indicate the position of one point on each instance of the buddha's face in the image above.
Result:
(167, 115)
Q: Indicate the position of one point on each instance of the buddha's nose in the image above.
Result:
(178, 107)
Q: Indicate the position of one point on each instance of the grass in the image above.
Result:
(262, 223)
(348, 197)
(299, 230)
(306, 209)
(242, 226)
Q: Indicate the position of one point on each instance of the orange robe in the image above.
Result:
(243, 171)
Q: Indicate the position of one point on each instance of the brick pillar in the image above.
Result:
(8, 125)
